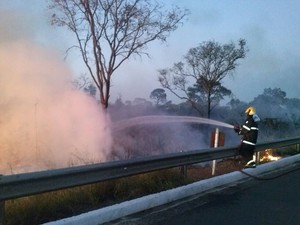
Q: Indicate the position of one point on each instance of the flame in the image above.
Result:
(267, 156)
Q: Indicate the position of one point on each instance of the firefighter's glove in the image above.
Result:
(236, 129)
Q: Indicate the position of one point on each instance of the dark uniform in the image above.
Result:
(249, 130)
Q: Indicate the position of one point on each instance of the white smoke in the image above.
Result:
(44, 121)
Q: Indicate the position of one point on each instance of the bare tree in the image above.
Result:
(108, 32)
(205, 66)
(81, 82)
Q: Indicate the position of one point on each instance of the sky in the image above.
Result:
(270, 27)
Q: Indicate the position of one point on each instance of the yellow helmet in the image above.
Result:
(250, 111)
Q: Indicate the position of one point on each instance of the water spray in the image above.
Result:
(120, 125)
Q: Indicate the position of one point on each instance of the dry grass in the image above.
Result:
(226, 166)
(61, 204)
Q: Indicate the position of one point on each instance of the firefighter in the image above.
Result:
(249, 130)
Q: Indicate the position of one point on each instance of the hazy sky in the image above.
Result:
(270, 27)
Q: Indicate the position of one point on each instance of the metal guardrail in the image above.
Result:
(26, 184)
(20, 185)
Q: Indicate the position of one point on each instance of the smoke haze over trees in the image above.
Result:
(280, 118)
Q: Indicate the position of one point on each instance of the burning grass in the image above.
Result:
(268, 155)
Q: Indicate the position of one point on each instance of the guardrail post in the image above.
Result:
(217, 140)
(216, 144)
(2, 212)
(257, 157)
(184, 171)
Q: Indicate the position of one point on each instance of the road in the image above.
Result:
(268, 202)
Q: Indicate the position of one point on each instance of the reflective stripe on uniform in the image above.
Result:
(248, 142)
(247, 128)
(254, 128)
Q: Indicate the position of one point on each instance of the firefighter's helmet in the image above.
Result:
(250, 111)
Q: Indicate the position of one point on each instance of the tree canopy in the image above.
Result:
(159, 96)
(198, 78)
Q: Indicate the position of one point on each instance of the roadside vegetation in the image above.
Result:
(69, 202)
(57, 205)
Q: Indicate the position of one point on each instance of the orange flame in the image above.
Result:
(267, 156)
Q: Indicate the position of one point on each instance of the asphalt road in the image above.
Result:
(268, 202)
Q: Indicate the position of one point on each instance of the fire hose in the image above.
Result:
(268, 178)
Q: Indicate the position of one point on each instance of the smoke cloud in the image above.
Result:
(44, 121)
